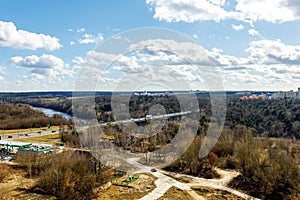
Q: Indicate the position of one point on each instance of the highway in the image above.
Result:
(28, 134)
(127, 121)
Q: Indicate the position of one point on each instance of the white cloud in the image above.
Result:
(275, 11)
(196, 36)
(237, 27)
(45, 61)
(267, 10)
(188, 10)
(155, 61)
(78, 60)
(270, 65)
(2, 79)
(90, 39)
(72, 43)
(253, 32)
(10, 36)
(217, 50)
(43, 66)
(80, 30)
(270, 52)
(157, 50)
(34, 76)
(3, 70)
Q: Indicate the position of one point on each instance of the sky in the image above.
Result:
(47, 45)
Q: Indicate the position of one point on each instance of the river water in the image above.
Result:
(50, 112)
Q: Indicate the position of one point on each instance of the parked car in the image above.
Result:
(153, 170)
(8, 158)
(10, 136)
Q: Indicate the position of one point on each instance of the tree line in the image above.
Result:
(269, 118)
(18, 116)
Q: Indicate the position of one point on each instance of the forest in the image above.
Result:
(268, 118)
(269, 168)
(259, 139)
(18, 116)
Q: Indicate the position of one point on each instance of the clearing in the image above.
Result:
(135, 190)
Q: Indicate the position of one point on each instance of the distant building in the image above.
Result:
(254, 97)
(286, 95)
(243, 93)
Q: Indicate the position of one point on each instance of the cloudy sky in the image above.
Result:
(254, 45)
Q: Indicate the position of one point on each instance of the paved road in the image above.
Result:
(29, 134)
(44, 132)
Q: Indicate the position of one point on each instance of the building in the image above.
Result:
(286, 95)
(34, 149)
(9, 147)
(254, 97)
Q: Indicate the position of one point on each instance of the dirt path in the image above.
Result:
(164, 182)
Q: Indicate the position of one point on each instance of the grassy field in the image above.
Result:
(27, 130)
(43, 139)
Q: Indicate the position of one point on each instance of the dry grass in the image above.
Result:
(43, 139)
(16, 185)
(176, 193)
(136, 190)
(215, 194)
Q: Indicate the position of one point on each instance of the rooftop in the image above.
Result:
(14, 144)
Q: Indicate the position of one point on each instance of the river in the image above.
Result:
(50, 112)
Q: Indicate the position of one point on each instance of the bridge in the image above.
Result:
(147, 118)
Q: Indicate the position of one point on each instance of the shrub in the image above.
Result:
(4, 172)
(69, 178)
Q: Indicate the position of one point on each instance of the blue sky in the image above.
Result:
(255, 45)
